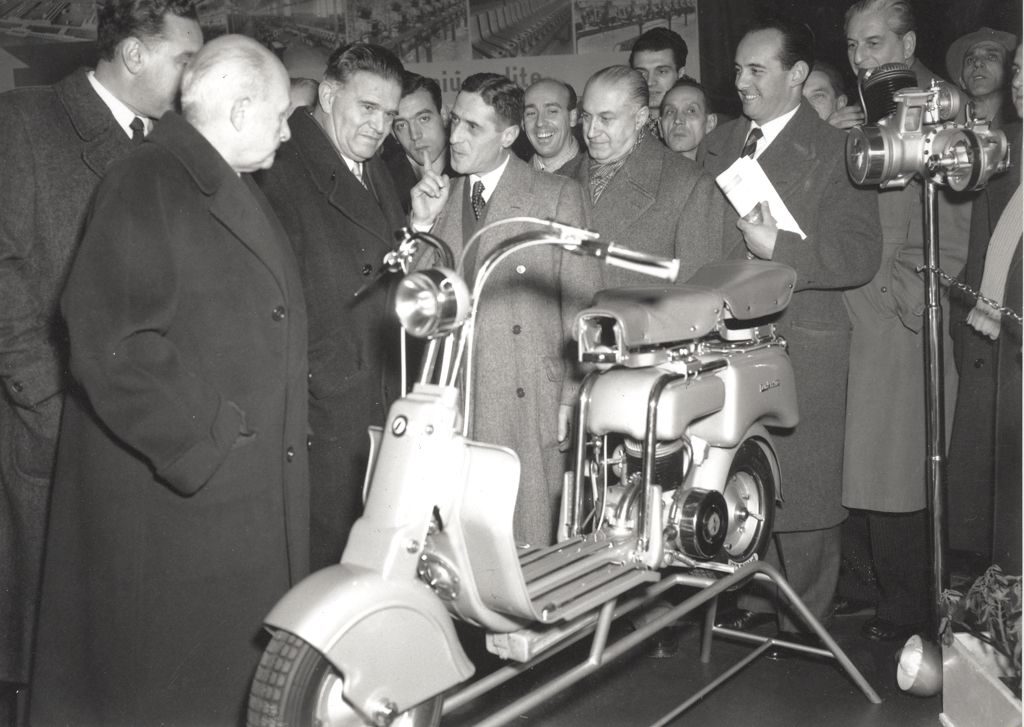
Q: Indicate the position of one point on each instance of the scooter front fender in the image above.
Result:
(392, 641)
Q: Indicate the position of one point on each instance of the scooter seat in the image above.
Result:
(652, 315)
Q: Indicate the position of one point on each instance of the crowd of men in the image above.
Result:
(188, 374)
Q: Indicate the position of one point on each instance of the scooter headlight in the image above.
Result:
(432, 302)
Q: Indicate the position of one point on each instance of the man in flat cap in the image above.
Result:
(978, 63)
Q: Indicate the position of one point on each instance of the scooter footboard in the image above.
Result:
(378, 634)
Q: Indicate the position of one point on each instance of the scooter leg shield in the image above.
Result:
(393, 641)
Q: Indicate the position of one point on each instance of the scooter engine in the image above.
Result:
(698, 519)
(671, 460)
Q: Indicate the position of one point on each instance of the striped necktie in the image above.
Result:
(751, 146)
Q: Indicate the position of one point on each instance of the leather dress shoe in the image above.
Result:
(842, 606)
(879, 629)
(775, 653)
(740, 619)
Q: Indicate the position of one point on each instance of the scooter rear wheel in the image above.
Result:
(750, 498)
(295, 686)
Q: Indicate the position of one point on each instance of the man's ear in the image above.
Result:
(711, 123)
(508, 136)
(909, 44)
(238, 111)
(799, 73)
(132, 51)
(681, 72)
(445, 113)
(325, 96)
(574, 116)
(642, 116)
(841, 101)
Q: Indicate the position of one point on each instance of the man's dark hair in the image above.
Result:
(691, 83)
(120, 19)
(348, 59)
(413, 82)
(661, 38)
(899, 14)
(498, 92)
(797, 39)
(835, 78)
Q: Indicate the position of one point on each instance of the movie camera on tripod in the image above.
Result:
(914, 131)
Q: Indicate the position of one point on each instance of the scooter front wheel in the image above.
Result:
(295, 686)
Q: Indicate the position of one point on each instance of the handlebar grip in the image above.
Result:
(622, 257)
(641, 262)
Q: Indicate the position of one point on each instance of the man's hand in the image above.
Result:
(428, 199)
(760, 237)
(846, 117)
(564, 424)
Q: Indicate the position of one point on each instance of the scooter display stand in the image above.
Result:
(709, 587)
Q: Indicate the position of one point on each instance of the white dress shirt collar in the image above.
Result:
(490, 179)
(122, 114)
(772, 129)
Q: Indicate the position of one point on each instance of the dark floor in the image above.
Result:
(639, 690)
(798, 691)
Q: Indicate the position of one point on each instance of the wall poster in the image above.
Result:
(446, 39)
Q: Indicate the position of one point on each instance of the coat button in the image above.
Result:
(289, 454)
(517, 329)
(367, 269)
(520, 392)
(278, 313)
(16, 387)
(979, 362)
(884, 289)
(520, 269)
(309, 443)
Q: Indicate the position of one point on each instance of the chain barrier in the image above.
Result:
(964, 288)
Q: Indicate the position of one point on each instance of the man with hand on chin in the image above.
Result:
(523, 379)
(419, 136)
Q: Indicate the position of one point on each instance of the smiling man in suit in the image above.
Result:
(804, 158)
(338, 204)
(530, 301)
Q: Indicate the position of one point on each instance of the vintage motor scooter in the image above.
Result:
(674, 477)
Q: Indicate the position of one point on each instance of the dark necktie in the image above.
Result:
(138, 130)
(477, 199)
(751, 146)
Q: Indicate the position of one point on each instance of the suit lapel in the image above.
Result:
(105, 141)
(337, 183)
(785, 159)
(356, 202)
(236, 207)
(632, 191)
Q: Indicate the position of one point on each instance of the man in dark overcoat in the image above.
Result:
(521, 386)
(56, 143)
(341, 229)
(180, 500)
(804, 158)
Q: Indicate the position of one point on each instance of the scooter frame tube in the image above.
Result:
(709, 588)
